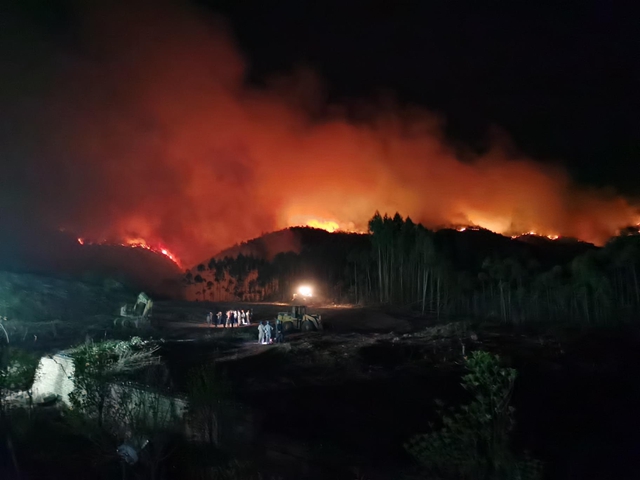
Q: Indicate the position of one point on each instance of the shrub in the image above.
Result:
(473, 442)
(209, 393)
(17, 371)
(96, 365)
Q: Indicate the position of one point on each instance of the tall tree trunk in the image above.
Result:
(431, 293)
(438, 299)
(635, 284)
(586, 305)
(401, 279)
(424, 288)
(355, 280)
(380, 273)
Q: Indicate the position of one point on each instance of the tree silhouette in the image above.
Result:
(471, 273)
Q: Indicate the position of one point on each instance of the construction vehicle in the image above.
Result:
(138, 314)
(299, 319)
(142, 307)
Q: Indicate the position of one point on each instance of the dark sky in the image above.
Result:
(562, 81)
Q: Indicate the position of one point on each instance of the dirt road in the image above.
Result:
(188, 319)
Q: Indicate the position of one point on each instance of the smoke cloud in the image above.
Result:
(151, 131)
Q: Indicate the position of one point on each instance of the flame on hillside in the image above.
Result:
(535, 234)
(137, 243)
(323, 223)
(514, 236)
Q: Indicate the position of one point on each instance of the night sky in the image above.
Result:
(562, 81)
(193, 125)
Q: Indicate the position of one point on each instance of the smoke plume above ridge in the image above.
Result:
(150, 130)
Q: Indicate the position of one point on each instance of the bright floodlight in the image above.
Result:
(305, 291)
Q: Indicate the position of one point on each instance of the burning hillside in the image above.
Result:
(136, 243)
(151, 128)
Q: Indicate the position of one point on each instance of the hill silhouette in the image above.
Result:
(54, 253)
(270, 266)
(292, 239)
(466, 247)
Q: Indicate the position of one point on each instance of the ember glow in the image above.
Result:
(157, 132)
(534, 234)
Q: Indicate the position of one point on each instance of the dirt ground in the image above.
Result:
(347, 398)
(341, 403)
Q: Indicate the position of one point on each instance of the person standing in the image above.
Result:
(261, 333)
(218, 319)
(279, 332)
(267, 332)
(209, 319)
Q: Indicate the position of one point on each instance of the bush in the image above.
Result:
(209, 394)
(473, 442)
(18, 369)
(96, 365)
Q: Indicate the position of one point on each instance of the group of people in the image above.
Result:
(266, 332)
(232, 318)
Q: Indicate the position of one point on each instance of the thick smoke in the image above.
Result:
(151, 131)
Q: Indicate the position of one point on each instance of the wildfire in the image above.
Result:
(324, 225)
(328, 224)
(534, 234)
(137, 243)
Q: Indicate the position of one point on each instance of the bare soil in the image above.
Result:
(328, 404)
(341, 402)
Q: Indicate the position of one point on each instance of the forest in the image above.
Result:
(444, 273)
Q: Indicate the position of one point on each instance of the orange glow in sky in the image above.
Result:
(176, 152)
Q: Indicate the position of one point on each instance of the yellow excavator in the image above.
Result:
(137, 314)
(299, 319)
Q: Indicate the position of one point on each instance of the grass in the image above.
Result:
(45, 313)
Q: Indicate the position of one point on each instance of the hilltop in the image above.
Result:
(58, 254)
(472, 245)
(292, 239)
(268, 267)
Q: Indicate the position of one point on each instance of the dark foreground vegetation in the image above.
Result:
(454, 400)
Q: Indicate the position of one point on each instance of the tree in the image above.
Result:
(588, 283)
(148, 421)
(212, 264)
(18, 370)
(473, 442)
(97, 365)
(425, 256)
(209, 393)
